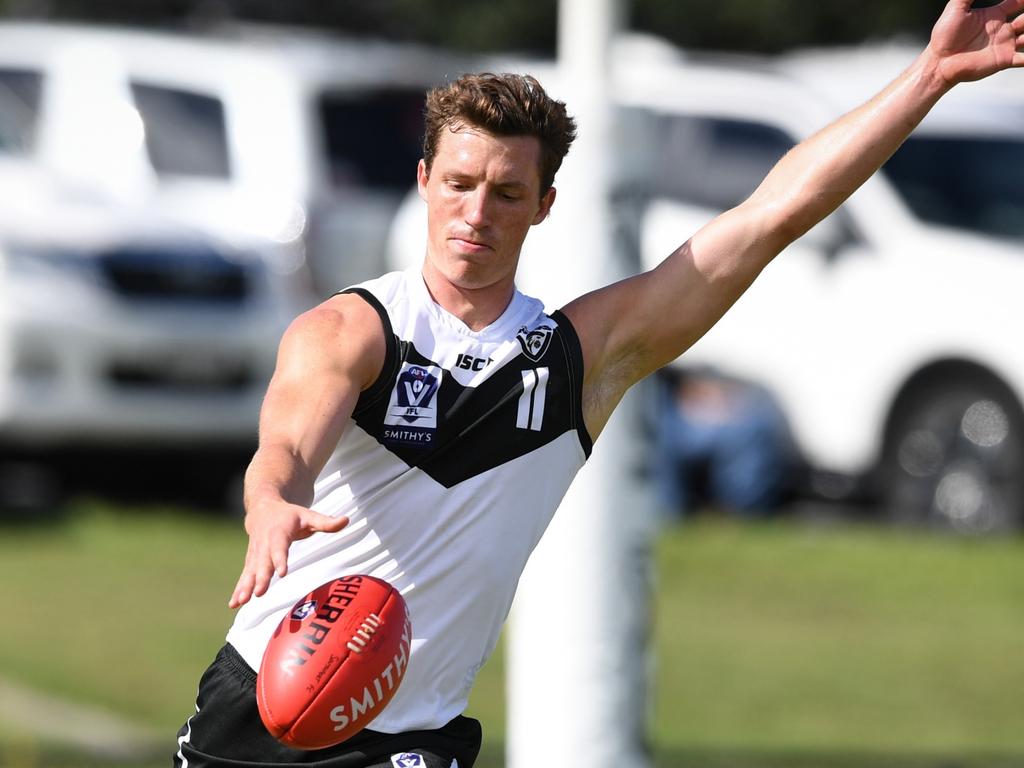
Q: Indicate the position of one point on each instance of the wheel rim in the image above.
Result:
(957, 464)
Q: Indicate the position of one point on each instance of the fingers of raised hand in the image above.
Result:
(246, 580)
(275, 558)
(1011, 7)
(267, 555)
(243, 590)
(315, 522)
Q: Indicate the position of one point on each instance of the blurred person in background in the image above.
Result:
(720, 443)
(426, 424)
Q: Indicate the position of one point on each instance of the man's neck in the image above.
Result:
(476, 307)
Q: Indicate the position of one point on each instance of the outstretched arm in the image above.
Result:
(327, 357)
(633, 327)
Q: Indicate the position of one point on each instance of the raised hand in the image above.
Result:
(970, 44)
(271, 531)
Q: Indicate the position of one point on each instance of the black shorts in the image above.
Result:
(226, 731)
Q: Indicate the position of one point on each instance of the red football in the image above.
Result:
(334, 662)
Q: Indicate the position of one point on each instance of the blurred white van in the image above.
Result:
(886, 334)
(168, 203)
(302, 140)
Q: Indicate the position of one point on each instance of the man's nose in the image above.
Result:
(478, 206)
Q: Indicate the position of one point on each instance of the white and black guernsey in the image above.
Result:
(450, 470)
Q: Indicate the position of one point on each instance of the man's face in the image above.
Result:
(483, 195)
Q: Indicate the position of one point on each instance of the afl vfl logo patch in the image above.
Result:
(535, 343)
(304, 610)
(412, 412)
(408, 760)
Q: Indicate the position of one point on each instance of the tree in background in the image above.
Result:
(761, 26)
(770, 26)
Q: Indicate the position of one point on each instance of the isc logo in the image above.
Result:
(470, 363)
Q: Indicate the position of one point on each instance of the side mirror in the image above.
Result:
(831, 235)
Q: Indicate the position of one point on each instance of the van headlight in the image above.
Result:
(19, 259)
(30, 263)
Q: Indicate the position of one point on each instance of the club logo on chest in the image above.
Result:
(412, 412)
(536, 342)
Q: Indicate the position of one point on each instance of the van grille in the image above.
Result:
(182, 374)
(195, 275)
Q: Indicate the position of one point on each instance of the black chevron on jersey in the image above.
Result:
(480, 427)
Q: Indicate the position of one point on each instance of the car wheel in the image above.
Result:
(30, 492)
(955, 458)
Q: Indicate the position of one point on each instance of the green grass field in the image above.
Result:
(777, 644)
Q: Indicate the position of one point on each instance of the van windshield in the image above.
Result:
(186, 133)
(967, 182)
(373, 138)
(19, 110)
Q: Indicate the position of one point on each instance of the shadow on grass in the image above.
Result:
(40, 487)
(724, 758)
(23, 754)
(492, 756)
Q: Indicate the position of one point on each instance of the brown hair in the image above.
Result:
(503, 105)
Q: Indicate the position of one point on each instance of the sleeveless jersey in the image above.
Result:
(450, 470)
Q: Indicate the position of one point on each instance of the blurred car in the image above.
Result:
(302, 141)
(885, 333)
(125, 337)
(169, 203)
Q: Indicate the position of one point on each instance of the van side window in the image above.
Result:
(373, 138)
(962, 181)
(716, 162)
(20, 96)
(185, 131)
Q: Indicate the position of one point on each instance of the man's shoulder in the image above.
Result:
(385, 289)
(344, 317)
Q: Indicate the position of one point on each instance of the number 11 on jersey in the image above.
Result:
(531, 402)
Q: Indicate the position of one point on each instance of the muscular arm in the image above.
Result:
(326, 358)
(633, 327)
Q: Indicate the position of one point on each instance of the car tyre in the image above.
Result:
(955, 457)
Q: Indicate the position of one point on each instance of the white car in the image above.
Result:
(302, 141)
(169, 204)
(886, 334)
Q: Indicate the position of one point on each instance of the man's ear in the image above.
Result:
(421, 178)
(546, 201)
